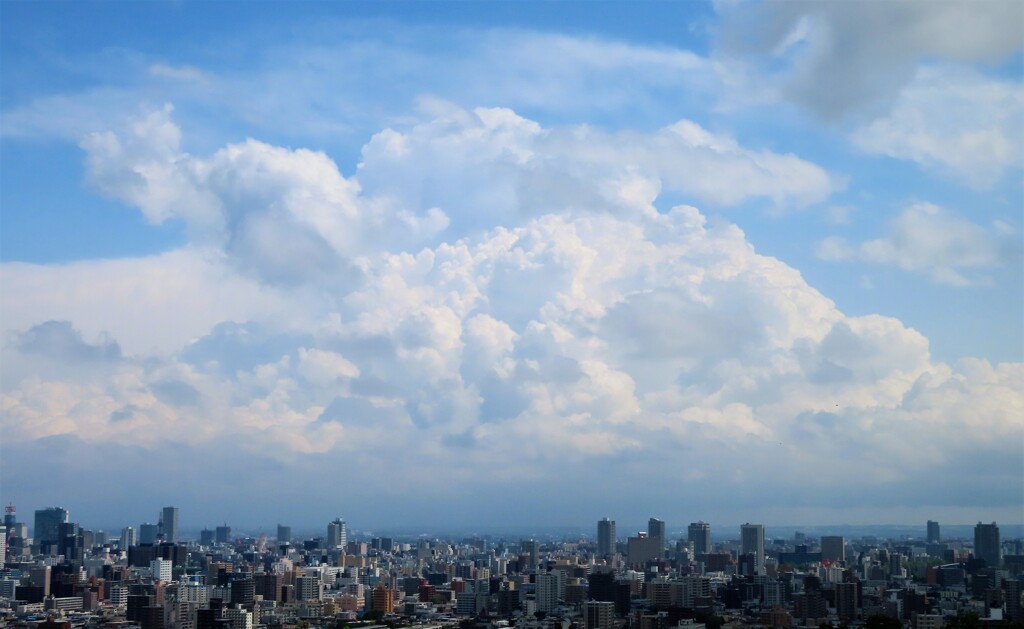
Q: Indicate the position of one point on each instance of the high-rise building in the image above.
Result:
(47, 524)
(752, 541)
(986, 544)
(833, 548)
(599, 615)
(656, 530)
(169, 524)
(337, 534)
(699, 534)
(605, 537)
(223, 534)
(933, 532)
(284, 534)
(128, 538)
(148, 533)
(531, 548)
(309, 588)
(641, 549)
(163, 569)
(547, 591)
(846, 601)
(383, 598)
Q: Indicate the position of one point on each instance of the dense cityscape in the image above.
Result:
(61, 575)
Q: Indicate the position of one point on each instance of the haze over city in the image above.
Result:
(513, 266)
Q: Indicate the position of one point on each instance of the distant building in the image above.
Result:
(547, 591)
(148, 533)
(599, 615)
(284, 533)
(641, 549)
(699, 534)
(169, 524)
(752, 542)
(933, 532)
(531, 548)
(846, 602)
(128, 538)
(383, 599)
(656, 528)
(47, 525)
(833, 548)
(987, 545)
(605, 537)
(337, 534)
(162, 569)
(223, 534)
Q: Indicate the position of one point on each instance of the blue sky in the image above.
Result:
(741, 240)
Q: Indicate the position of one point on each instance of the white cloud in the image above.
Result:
(529, 340)
(928, 239)
(953, 122)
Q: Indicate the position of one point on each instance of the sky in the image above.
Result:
(512, 264)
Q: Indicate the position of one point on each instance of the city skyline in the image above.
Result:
(513, 265)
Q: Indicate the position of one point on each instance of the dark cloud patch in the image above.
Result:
(59, 340)
(232, 347)
(175, 392)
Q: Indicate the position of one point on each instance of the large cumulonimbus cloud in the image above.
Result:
(499, 301)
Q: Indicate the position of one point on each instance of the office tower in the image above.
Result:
(383, 598)
(284, 534)
(3, 543)
(207, 537)
(547, 591)
(656, 530)
(605, 537)
(1014, 607)
(128, 538)
(148, 533)
(169, 524)
(599, 615)
(223, 535)
(641, 549)
(243, 590)
(531, 547)
(309, 588)
(337, 535)
(699, 534)
(846, 601)
(70, 542)
(163, 569)
(752, 541)
(48, 521)
(986, 544)
(933, 532)
(833, 548)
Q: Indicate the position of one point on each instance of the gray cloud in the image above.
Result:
(58, 340)
(844, 58)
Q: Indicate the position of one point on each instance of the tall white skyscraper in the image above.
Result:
(337, 535)
(752, 540)
(605, 537)
(169, 520)
(128, 538)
